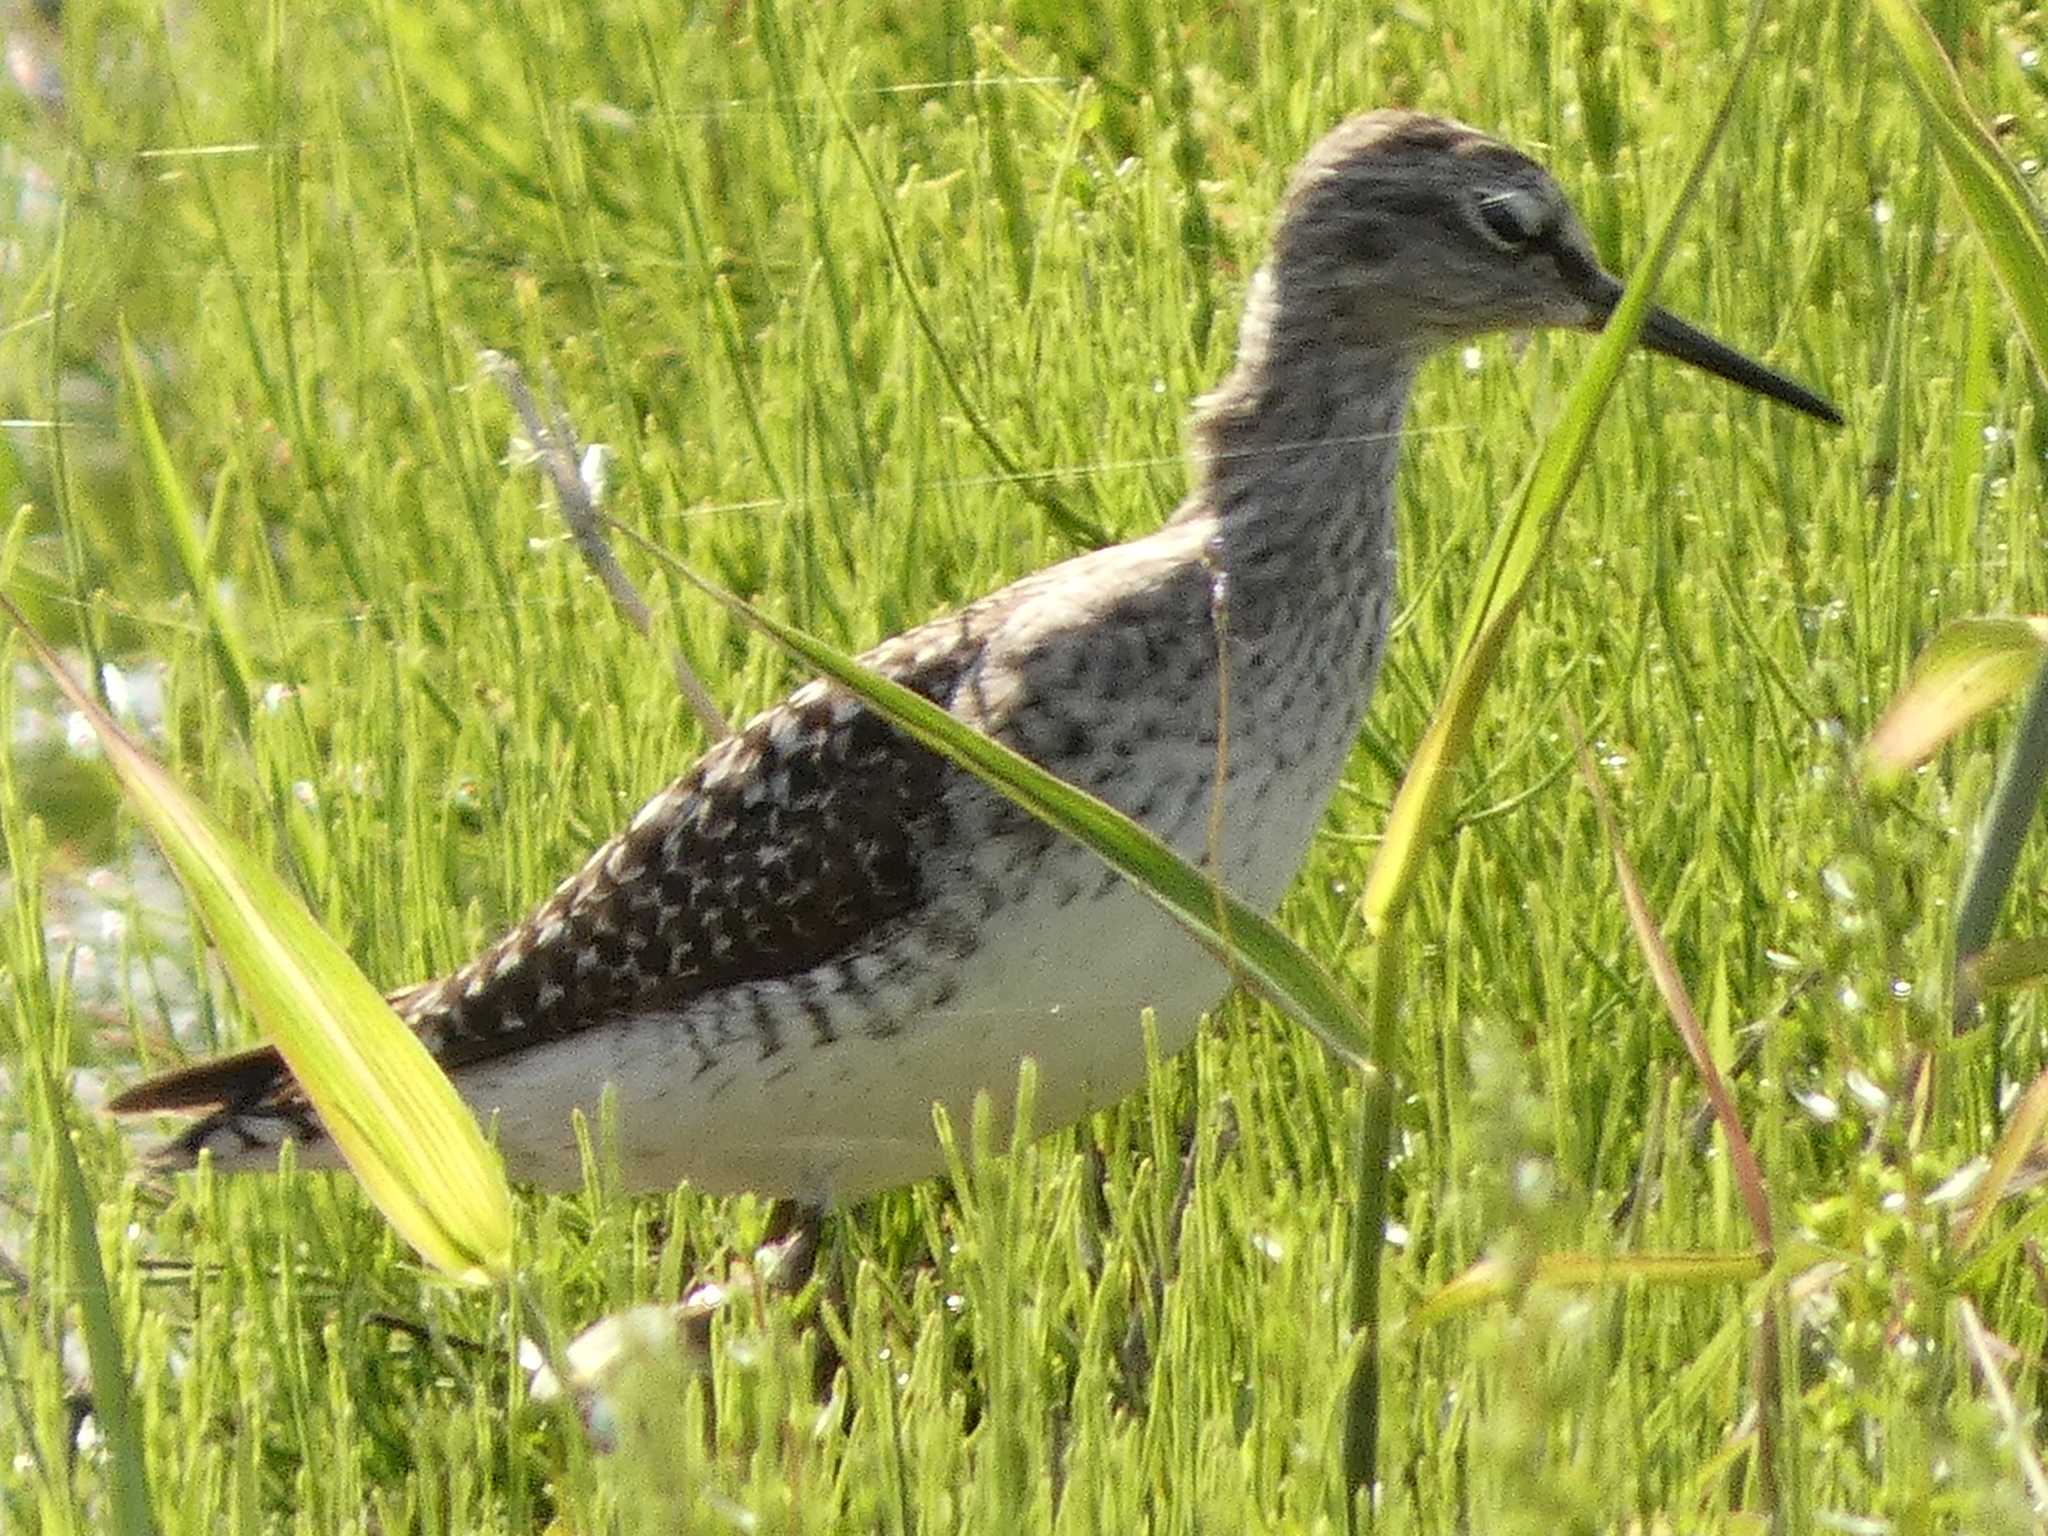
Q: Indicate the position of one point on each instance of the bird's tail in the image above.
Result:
(244, 1106)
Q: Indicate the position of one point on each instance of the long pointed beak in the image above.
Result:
(1665, 332)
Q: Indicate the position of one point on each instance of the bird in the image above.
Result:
(821, 930)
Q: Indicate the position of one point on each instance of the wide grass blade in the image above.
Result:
(413, 1143)
(1968, 670)
(2014, 797)
(2003, 212)
(2010, 226)
(1252, 947)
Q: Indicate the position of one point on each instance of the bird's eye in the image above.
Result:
(1511, 220)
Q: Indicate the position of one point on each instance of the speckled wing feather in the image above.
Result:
(784, 845)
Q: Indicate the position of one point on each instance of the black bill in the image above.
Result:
(1665, 332)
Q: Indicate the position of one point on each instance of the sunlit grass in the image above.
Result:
(664, 218)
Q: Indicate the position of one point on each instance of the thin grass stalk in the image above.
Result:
(1376, 1108)
(1006, 178)
(1749, 1179)
(1191, 169)
(127, 1484)
(1983, 1346)
(696, 252)
(25, 1419)
(1077, 528)
(577, 207)
(75, 559)
(2023, 1128)
(440, 413)
(1773, 1360)
(230, 650)
(808, 157)
(113, 1406)
(286, 408)
(561, 459)
(1506, 577)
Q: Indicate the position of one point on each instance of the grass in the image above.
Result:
(860, 399)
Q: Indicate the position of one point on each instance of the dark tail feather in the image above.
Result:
(245, 1104)
(218, 1083)
(234, 1081)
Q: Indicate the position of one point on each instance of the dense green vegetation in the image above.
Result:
(875, 305)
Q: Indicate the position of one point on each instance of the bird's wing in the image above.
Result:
(784, 846)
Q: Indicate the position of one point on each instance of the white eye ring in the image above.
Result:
(1512, 219)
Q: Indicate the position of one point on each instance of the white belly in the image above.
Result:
(834, 1122)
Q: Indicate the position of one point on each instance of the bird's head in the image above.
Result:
(1412, 232)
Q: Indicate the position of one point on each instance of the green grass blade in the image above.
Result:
(183, 521)
(1377, 1106)
(1968, 670)
(1522, 539)
(2007, 964)
(2002, 211)
(2022, 1132)
(413, 1143)
(1491, 1279)
(113, 1404)
(2014, 798)
(1498, 594)
(2014, 235)
(1252, 946)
